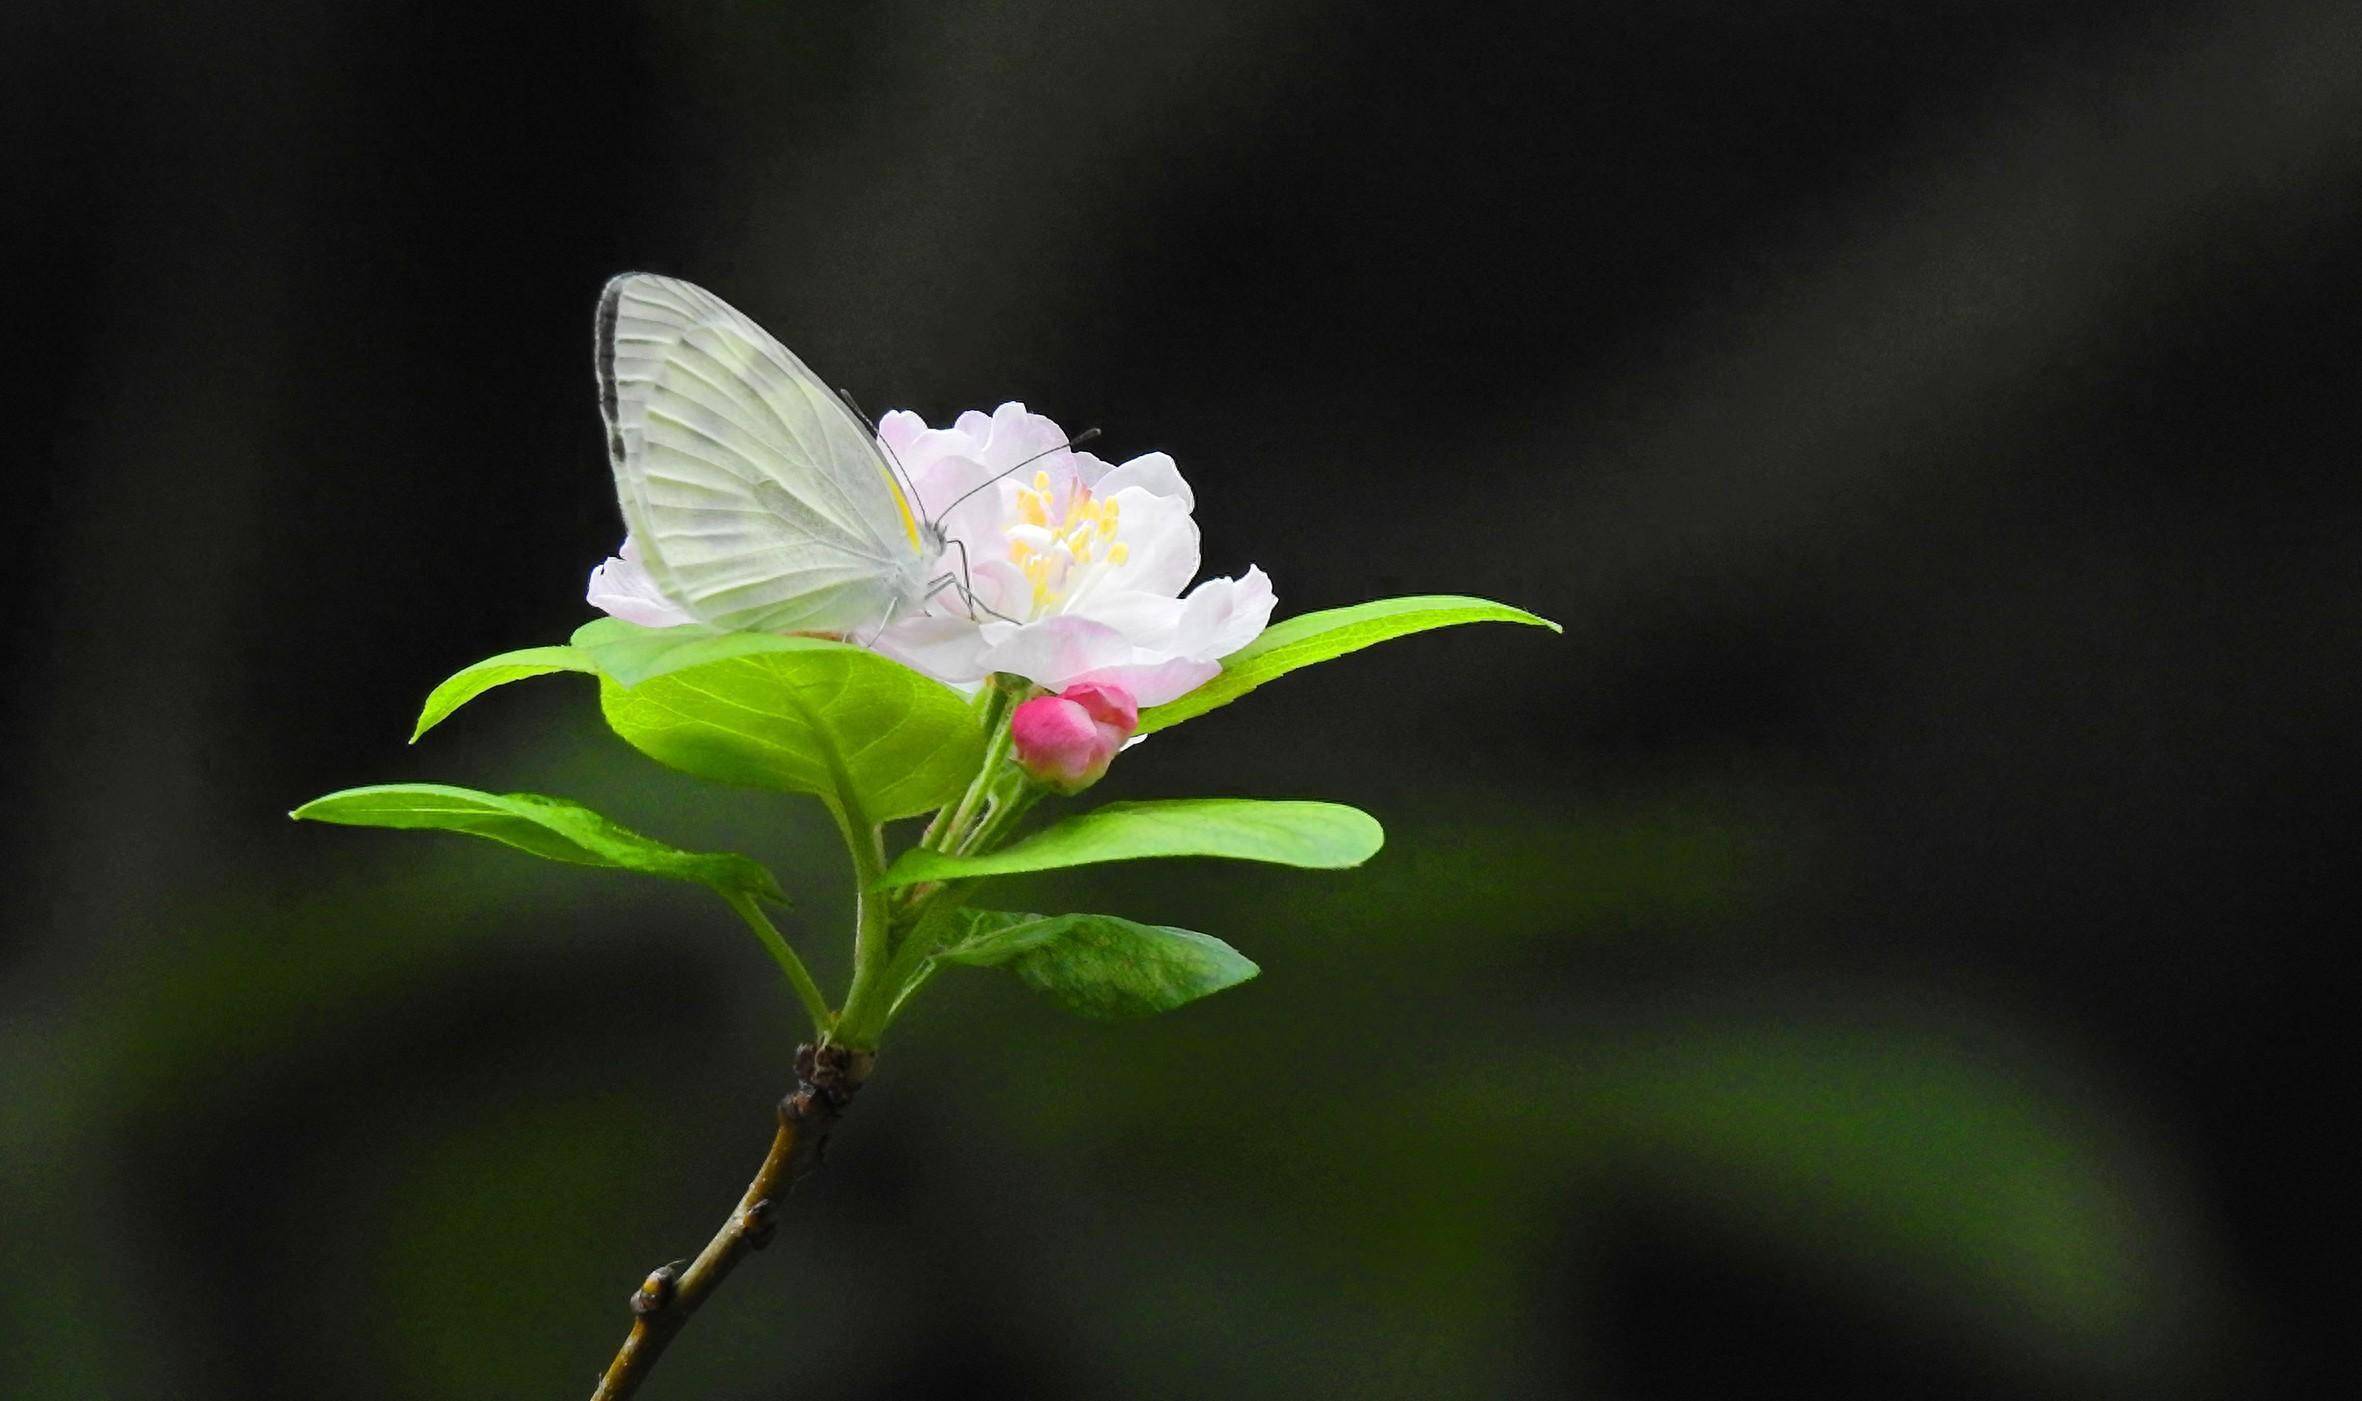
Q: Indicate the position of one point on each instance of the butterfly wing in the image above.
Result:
(759, 501)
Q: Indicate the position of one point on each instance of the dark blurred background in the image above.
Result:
(1876, 952)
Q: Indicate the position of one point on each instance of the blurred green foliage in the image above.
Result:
(1363, 1174)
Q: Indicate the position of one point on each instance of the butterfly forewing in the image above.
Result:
(759, 501)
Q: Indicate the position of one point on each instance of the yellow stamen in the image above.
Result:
(1118, 552)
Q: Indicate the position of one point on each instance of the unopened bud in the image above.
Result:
(1066, 741)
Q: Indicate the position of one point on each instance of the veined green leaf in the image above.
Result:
(1099, 965)
(990, 938)
(631, 653)
(799, 714)
(1324, 835)
(471, 682)
(1317, 637)
(550, 827)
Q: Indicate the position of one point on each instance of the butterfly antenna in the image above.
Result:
(901, 473)
(1076, 441)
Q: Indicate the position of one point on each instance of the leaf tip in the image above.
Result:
(1511, 613)
(1369, 836)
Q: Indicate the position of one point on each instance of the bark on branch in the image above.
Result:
(826, 1077)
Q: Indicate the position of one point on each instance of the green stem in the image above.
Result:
(862, 1019)
(912, 963)
(916, 945)
(785, 956)
(1007, 811)
(950, 825)
(879, 970)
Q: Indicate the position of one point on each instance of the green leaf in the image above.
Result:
(471, 682)
(631, 653)
(990, 938)
(551, 827)
(798, 714)
(1317, 637)
(1323, 835)
(1099, 965)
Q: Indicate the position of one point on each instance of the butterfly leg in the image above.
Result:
(941, 582)
(884, 623)
(967, 585)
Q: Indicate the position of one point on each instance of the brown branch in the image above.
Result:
(826, 1077)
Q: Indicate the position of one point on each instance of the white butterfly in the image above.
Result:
(759, 500)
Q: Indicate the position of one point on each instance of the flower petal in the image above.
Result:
(899, 429)
(1154, 683)
(946, 648)
(1153, 472)
(623, 588)
(1019, 433)
(1056, 650)
(1160, 540)
(1222, 615)
(1148, 620)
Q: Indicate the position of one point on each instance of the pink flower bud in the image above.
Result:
(1066, 741)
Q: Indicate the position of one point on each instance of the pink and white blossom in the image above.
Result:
(1080, 569)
